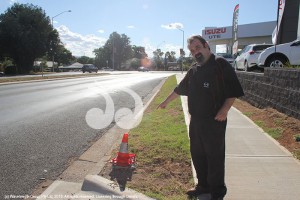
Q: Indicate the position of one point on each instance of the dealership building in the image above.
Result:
(220, 38)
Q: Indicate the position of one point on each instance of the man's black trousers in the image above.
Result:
(207, 145)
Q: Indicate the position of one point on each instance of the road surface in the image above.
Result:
(44, 125)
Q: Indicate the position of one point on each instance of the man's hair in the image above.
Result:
(197, 37)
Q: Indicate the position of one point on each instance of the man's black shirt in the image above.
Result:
(207, 86)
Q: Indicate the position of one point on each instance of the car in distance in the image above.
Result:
(143, 69)
(284, 53)
(227, 57)
(247, 58)
(89, 68)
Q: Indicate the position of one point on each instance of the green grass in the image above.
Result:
(248, 114)
(273, 132)
(161, 140)
(260, 123)
(288, 65)
(169, 133)
(297, 154)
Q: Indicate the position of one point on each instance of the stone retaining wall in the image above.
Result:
(276, 88)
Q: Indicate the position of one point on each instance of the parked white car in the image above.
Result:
(284, 53)
(247, 58)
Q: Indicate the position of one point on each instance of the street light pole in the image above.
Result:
(113, 53)
(182, 48)
(60, 14)
(53, 27)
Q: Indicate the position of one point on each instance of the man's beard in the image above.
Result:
(199, 58)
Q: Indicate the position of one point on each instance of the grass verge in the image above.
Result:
(276, 133)
(297, 154)
(162, 147)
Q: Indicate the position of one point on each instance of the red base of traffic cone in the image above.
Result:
(124, 160)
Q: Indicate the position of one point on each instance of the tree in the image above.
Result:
(63, 55)
(102, 57)
(85, 60)
(135, 63)
(26, 34)
(157, 59)
(119, 48)
(117, 53)
(139, 52)
(188, 62)
(170, 56)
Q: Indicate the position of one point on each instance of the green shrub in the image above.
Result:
(297, 137)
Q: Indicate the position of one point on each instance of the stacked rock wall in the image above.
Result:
(276, 88)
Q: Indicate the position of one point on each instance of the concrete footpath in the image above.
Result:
(257, 168)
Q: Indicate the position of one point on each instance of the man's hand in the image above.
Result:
(163, 105)
(221, 115)
(223, 112)
(170, 98)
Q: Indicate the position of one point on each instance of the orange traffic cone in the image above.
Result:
(124, 159)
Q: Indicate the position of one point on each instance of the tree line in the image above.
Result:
(27, 35)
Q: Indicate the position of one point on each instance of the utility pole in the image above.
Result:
(113, 49)
(182, 52)
(53, 27)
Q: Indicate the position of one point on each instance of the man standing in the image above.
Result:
(211, 86)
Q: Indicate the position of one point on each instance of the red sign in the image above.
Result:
(215, 31)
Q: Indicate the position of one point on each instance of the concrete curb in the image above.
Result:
(98, 184)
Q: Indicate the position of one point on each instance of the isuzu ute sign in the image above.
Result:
(215, 33)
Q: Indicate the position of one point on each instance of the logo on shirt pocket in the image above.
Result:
(206, 85)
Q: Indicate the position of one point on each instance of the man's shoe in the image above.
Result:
(198, 190)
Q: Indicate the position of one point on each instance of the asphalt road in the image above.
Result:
(44, 125)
